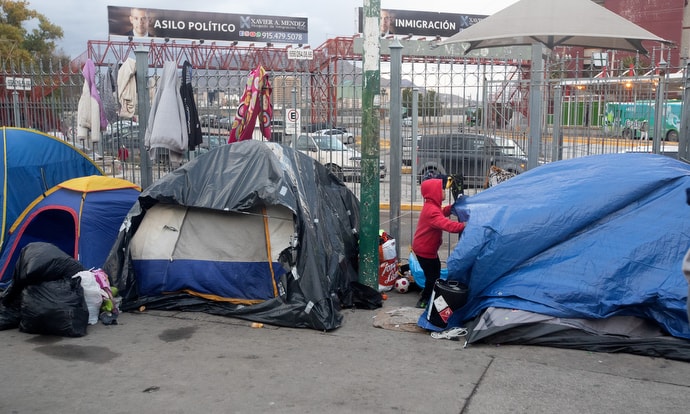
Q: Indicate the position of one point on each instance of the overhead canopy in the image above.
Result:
(580, 23)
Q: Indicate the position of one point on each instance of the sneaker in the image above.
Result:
(421, 303)
(453, 334)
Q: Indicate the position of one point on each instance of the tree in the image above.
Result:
(430, 104)
(407, 101)
(20, 45)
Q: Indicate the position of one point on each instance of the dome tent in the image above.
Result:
(30, 164)
(81, 216)
(252, 230)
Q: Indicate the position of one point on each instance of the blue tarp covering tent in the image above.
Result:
(31, 163)
(81, 216)
(585, 239)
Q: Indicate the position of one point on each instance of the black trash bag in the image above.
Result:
(365, 297)
(9, 316)
(39, 262)
(56, 307)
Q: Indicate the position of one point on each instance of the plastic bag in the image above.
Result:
(54, 308)
(92, 294)
(418, 273)
(388, 263)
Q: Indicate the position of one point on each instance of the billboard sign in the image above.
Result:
(419, 23)
(176, 24)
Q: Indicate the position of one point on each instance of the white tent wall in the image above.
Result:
(170, 233)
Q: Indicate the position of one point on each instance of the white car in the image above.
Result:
(343, 161)
(341, 134)
(121, 126)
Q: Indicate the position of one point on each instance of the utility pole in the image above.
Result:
(369, 199)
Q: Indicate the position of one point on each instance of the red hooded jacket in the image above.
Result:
(433, 221)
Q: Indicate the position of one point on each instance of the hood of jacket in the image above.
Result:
(432, 190)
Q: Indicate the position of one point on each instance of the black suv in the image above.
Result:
(468, 154)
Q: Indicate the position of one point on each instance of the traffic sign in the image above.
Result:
(292, 121)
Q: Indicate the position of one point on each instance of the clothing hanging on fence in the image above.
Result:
(90, 115)
(167, 124)
(108, 91)
(192, 115)
(127, 88)
(254, 104)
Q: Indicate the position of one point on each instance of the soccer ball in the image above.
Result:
(402, 285)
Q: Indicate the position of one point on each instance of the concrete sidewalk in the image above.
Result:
(173, 362)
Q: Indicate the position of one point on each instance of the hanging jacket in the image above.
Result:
(167, 125)
(191, 114)
(108, 91)
(433, 220)
(127, 88)
(90, 115)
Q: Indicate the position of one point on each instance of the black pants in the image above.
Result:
(432, 271)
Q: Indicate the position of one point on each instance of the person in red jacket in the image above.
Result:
(428, 237)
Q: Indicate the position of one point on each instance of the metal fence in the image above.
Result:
(587, 109)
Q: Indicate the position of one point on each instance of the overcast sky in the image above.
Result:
(84, 20)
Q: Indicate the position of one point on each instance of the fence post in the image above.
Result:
(413, 144)
(659, 108)
(142, 65)
(17, 113)
(535, 106)
(395, 140)
(684, 135)
(557, 140)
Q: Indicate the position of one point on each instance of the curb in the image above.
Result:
(403, 206)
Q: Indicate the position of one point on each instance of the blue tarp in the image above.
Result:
(591, 238)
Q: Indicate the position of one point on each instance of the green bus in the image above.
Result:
(628, 118)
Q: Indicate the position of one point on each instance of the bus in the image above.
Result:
(627, 118)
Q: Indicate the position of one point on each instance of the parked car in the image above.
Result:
(209, 142)
(343, 161)
(313, 127)
(407, 146)
(209, 120)
(341, 134)
(225, 123)
(468, 154)
(120, 126)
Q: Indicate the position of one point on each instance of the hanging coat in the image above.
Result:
(108, 91)
(90, 115)
(167, 125)
(127, 88)
(194, 134)
(254, 104)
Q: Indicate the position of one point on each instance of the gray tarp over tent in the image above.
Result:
(252, 230)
